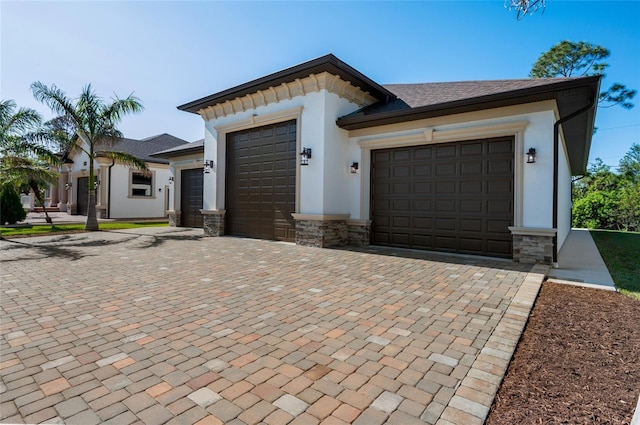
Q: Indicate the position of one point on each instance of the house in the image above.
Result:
(186, 162)
(319, 154)
(122, 191)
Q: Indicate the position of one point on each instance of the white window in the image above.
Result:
(141, 184)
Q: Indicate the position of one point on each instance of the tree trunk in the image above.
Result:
(92, 221)
(36, 192)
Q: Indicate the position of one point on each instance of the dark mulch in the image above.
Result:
(578, 361)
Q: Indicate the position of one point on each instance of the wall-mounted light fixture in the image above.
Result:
(208, 165)
(96, 183)
(304, 156)
(67, 186)
(171, 179)
(531, 156)
(159, 189)
(354, 167)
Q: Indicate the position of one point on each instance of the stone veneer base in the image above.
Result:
(213, 222)
(533, 246)
(174, 218)
(322, 231)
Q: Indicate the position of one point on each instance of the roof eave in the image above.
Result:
(328, 63)
(466, 105)
(189, 151)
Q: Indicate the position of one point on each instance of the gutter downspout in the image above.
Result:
(556, 143)
(113, 162)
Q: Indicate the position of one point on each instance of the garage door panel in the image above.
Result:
(260, 206)
(445, 169)
(471, 149)
(471, 168)
(191, 200)
(446, 206)
(498, 206)
(471, 225)
(501, 146)
(445, 224)
(422, 223)
(461, 196)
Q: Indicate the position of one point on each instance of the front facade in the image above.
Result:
(434, 166)
(121, 191)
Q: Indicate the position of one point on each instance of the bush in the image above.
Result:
(11, 210)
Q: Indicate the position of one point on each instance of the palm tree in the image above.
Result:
(23, 160)
(94, 124)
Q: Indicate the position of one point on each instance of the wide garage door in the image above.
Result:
(261, 182)
(453, 197)
(191, 197)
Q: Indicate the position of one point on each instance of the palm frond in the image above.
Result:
(119, 107)
(56, 100)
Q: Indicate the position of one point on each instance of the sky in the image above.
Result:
(168, 53)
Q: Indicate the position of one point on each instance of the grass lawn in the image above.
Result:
(41, 230)
(621, 254)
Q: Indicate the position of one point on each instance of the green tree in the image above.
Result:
(94, 123)
(607, 200)
(569, 59)
(24, 161)
(630, 163)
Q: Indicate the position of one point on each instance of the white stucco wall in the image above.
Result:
(564, 195)
(123, 205)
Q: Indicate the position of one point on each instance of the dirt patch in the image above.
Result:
(578, 361)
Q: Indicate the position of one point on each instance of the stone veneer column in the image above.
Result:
(359, 232)
(213, 221)
(174, 218)
(320, 230)
(533, 245)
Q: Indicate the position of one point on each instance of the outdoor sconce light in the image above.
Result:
(304, 156)
(531, 156)
(171, 179)
(67, 186)
(354, 167)
(159, 189)
(96, 183)
(208, 165)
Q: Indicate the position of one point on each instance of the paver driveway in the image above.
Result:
(165, 326)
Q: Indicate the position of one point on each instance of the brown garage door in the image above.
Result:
(191, 197)
(454, 197)
(261, 182)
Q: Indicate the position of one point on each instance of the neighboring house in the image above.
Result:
(186, 164)
(321, 155)
(122, 191)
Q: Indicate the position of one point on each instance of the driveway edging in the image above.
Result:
(469, 405)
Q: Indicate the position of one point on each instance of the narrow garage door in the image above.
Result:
(191, 197)
(454, 197)
(82, 206)
(261, 182)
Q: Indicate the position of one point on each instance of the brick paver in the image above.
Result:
(166, 326)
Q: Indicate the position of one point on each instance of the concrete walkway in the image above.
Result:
(165, 326)
(579, 261)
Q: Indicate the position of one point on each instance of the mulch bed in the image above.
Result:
(578, 361)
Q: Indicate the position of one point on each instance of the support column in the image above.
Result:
(359, 232)
(533, 245)
(174, 218)
(321, 230)
(213, 222)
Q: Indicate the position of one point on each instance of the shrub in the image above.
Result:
(11, 210)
